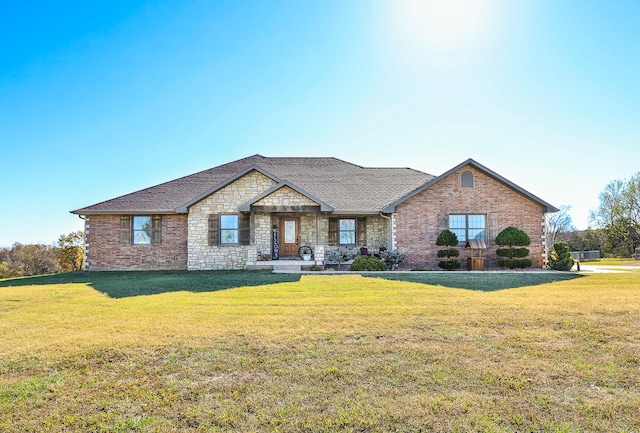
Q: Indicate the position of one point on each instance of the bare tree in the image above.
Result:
(558, 224)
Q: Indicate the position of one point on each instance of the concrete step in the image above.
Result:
(286, 267)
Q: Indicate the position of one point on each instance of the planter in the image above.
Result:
(476, 263)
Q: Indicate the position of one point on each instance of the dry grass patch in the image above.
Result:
(326, 353)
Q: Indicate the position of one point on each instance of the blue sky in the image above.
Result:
(102, 98)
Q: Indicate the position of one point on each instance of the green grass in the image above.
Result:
(320, 353)
(613, 262)
(136, 283)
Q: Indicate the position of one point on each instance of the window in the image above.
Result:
(350, 231)
(468, 227)
(347, 231)
(467, 179)
(229, 230)
(141, 230)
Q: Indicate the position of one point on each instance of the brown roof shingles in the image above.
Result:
(344, 186)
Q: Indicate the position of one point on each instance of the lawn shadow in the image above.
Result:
(122, 284)
(484, 282)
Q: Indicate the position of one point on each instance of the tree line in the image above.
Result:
(36, 259)
(616, 221)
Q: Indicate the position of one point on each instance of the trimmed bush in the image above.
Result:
(512, 253)
(367, 263)
(513, 257)
(449, 265)
(560, 258)
(448, 253)
(512, 236)
(447, 238)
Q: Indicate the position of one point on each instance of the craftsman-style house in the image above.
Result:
(250, 211)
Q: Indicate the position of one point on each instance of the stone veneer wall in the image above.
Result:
(201, 256)
(378, 234)
(103, 251)
(416, 220)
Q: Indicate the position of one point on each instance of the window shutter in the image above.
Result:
(213, 230)
(125, 230)
(443, 222)
(333, 231)
(492, 227)
(156, 230)
(361, 232)
(244, 226)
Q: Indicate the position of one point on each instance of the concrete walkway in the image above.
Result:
(606, 269)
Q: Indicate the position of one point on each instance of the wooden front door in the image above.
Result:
(289, 235)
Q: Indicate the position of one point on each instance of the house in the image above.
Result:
(231, 216)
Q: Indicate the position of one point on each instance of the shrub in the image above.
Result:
(512, 236)
(513, 257)
(512, 253)
(560, 258)
(340, 255)
(393, 258)
(447, 238)
(367, 263)
(448, 253)
(449, 265)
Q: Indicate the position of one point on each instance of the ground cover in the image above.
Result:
(320, 353)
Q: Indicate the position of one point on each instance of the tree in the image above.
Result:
(618, 214)
(447, 238)
(71, 252)
(513, 257)
(558, 224)
(27, 260)
(560, 258)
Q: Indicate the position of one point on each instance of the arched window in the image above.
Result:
(467, 179)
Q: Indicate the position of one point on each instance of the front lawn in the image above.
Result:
(319, 353)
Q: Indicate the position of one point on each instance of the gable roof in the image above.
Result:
(246, 207)
(546, 206)
(331, 182)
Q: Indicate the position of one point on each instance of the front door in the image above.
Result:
(289, 235)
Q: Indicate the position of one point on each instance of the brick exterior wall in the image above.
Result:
(104, 253)
(416, 225)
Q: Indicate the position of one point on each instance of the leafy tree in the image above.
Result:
(447, 238)
(27, 260)
(71, 252)
(560, 258)
(513, 257)
(586, 240)
(618, 214)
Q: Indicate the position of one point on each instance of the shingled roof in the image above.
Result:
(345, 187)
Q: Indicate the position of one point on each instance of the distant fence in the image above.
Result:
(637, 253)
(583, 256)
